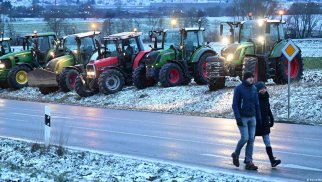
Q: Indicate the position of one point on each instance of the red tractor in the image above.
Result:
(124, 52)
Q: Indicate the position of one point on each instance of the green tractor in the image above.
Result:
(38, 49)
(182, 56)
(60, 73)
(259, 50)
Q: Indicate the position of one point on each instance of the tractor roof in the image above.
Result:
(84, 34)
(265, 20)
(123, 35)
(186, 29)
(41, 34)
(4, 39)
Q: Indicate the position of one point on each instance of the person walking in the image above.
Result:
(246, 110)
(263, 128)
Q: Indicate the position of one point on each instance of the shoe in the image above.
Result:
(235, 159)
(272, 159)
(250, 166)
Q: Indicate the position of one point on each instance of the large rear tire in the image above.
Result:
(17, 76)
(111, 81)
(171, 75)
(83, 89)
(67, 79)
(139, 78)
(217, 84)
(200, 75)
(282, 70)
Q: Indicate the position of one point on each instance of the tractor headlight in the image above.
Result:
(225, 40)
(90, 71)
(52, 54)
(261, 40)
(2, 66)
(230, 57)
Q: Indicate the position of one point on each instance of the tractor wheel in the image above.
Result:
(200, 75)
(217, 84)
(139, 78)
(48, 90)
(83, 89)
(251, 65)
(170, 75)
(111, 81)
(186, 81)
(17, 76)
(67, 79)
(282, 70)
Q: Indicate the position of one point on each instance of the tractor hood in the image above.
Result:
(233, 53)
(57, 64)
(157, 57)
(101, 63)
(22, 55)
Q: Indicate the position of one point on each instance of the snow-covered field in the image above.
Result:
(306, 99)
(20, 161)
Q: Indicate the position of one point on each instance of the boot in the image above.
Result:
(250, 166)
(274, 162)
(235, 159)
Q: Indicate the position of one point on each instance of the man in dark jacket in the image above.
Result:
(246, 110)
(263, 128)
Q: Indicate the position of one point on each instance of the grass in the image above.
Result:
(312, 62)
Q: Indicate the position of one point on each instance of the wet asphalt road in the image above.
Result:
(196, 141)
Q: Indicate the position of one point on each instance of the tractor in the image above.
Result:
(109, 75)
(183, 57)
(60, 73)
(259, 50)
(38, 50)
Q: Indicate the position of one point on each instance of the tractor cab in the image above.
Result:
(42, 46)
(83, 46)
(191, 40)
(157, 37)
(5, 46)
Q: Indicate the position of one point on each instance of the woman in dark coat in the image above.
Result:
(263, 127)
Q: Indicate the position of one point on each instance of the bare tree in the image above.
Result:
(107, 27)
(258, 8)
(153, 22)
(304, 18)
(11, 30)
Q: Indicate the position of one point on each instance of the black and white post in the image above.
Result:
(47, 125)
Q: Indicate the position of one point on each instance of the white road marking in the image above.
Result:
(34, 115)
(182, 140)
(294, 166)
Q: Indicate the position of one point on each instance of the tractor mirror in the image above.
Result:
(221, 29)
(268, 29)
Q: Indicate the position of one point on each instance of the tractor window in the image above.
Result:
(171, 38)
(111, 46)
(250, 31)
(5, 46)
(87, 45)
(272, 37)
(134, 46)
(281, 30)
(191, 40)
(52, 41)
(70, 43)
(43, 43)
(200, 37)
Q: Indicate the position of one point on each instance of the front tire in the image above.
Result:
(17, 76)
(139, 78)
(48, 90)
(171, 75)
(67, 79)
(83, 90)
(200, 75)
(217, 84)
(282, 70)
(251, 65)
(111, 81)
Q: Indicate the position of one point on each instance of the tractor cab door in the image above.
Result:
(191, 43)
(87, 49)
(5, 48)
(131, 48)
(41, 47)
(273, 34)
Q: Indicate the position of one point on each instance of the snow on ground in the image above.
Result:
(20, 161)
(306, 99)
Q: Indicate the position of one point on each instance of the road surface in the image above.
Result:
(197, 141)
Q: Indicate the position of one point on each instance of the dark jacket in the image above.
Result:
(263, 128)
(245, 101)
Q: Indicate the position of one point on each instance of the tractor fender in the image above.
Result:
(26, 64)
(276, 51)
(80, 70)
(139, 58)
(197, 55)
(112, 67)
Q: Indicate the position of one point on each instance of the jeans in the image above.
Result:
(266, 140)
(247, 135)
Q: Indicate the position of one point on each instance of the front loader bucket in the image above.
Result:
(42, 78)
